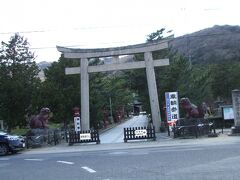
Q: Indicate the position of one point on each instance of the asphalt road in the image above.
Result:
(180, 162)
(115, 135)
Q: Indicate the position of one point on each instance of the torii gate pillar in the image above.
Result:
(85, 122)
(152, 90)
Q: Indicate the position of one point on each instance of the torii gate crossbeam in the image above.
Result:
(148, 63)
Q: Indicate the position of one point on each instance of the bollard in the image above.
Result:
(196, 131)
(168, 131)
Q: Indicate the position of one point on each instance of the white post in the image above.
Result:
(152, 89)
(84, 94)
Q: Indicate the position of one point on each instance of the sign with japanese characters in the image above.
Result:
(140, 132)
(172, 106)
(85, 136)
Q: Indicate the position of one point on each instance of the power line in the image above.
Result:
(125, 42)
(102, 27)
(202, 35)
(24, 32)
(72, 29)
(79, 45)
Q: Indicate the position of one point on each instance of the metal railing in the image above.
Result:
(193, 127)
(136, 133)
(88, 136)
(43, 137)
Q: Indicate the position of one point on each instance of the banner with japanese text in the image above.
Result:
(172, 107)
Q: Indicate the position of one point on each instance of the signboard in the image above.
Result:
(228, 113)
(140, 132)
(85, 136)
(77, 124)
(172, 107)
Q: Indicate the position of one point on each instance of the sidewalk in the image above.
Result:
(162, 141)
(111, 126)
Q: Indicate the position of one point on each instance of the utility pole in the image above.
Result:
(110, 103)
(190, 61)
(188, 52)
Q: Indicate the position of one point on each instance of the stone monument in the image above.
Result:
(236, 110)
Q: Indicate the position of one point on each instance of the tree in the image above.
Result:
(159, 35)
(60, 92)
(18, 80)
(104, 86)
(224, 78)
(189, 82)
(137, 78)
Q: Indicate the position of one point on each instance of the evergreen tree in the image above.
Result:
(18, 80)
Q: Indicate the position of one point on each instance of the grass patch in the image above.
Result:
(19, 131)
(23, 131)
(54, 125)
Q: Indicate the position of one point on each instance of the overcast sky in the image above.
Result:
(107, 23)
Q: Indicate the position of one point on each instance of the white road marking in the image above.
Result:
(65, 162)
(118, 153)
(4, 159)
(33, 159)
(140, 153)
(88, 169)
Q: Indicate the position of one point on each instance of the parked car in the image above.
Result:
(10, 143)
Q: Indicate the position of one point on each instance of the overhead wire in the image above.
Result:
(125, 42)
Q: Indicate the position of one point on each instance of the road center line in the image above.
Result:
(33, 159)
(88, 169)
(4, 159)
(65, 162)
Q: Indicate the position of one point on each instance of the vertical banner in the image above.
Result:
(172, 107)
(77, 124)
(77, 119)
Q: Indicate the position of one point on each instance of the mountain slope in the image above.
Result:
(44, 64)
(211, 45)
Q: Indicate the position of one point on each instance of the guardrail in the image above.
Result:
(43, 137)
(193, 127)
(83, 137)
(136, 133)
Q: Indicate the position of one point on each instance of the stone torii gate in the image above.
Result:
(85, 69)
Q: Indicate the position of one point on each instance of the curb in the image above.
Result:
(133, 145)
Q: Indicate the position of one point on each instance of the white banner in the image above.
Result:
(140, 132)
(85, 136)
(172, 106)
(77, 124)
